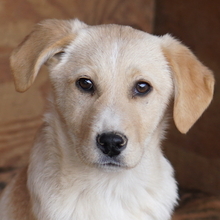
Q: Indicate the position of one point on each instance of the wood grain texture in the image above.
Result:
(197, 206)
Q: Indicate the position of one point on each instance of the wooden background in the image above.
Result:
(196, 156)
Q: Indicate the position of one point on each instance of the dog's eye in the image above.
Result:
(86, 85)
(142, 88)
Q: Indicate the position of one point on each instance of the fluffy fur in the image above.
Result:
(68, 177)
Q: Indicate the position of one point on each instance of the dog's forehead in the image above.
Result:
(105, 42)
(112, 50)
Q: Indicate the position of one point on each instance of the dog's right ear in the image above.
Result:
(46, 40)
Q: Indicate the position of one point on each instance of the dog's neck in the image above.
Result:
(67, 185)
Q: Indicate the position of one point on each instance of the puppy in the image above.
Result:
(98, 155)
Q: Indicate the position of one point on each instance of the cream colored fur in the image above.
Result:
(66, 178)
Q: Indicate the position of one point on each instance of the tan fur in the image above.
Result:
(54, 35)
(194, 84)
(19, 203)
(66, 173)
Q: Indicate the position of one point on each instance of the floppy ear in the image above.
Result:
(193, 82)
(47, 39)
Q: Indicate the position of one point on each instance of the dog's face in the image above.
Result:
(112, 85)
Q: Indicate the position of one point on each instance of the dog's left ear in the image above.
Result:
(47, 39)
(193, 83)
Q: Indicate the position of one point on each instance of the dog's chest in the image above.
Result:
(106, 202)
(137, 194)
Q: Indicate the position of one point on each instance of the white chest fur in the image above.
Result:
(136, 194)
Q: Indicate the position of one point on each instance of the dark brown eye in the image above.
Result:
(86, 85)
(142, 88)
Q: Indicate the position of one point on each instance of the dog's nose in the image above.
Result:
(111, 144)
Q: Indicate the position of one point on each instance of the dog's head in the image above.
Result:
(112, 85)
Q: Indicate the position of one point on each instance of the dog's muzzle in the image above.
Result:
(111, 144)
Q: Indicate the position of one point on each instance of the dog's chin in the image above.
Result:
(110, 164)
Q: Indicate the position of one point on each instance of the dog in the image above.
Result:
(98, 155)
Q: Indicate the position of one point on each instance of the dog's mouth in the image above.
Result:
(111, 163)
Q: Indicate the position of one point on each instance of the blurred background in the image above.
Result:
(195, 156)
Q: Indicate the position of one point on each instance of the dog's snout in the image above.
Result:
(111, 144)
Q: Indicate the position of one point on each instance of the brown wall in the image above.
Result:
(196, 156)
(20, 114)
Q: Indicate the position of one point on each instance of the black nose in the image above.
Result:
(111, 144)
